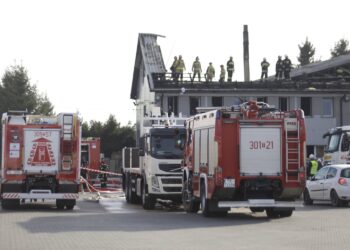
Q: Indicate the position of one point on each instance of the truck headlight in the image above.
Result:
(155, 183)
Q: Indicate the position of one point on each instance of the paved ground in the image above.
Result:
(113, 224)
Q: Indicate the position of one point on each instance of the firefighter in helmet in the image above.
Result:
(103, 176)
(312, 166)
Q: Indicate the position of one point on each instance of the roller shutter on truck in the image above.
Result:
(260, 150)
(41, 150)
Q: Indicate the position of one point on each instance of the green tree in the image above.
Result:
(340, 48)
(306, 54)
(16, 93)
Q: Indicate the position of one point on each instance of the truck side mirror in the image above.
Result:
(142, 152)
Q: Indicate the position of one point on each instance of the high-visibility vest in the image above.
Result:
(314, 167)
(180, 66)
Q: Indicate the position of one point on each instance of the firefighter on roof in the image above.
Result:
(180, 67)
(279, 68)
(103, 176)
(197, 69)
(230, 66)
(210, 73)
(173, 69)
(287, 66)
(222, 73)
(264, 68)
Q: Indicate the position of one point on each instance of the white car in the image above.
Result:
(331, 183)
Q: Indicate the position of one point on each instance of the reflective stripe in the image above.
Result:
(314, 167)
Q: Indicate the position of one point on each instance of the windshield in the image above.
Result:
(333, 143)
(167, 146)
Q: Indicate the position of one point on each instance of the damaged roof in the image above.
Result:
(148, 60)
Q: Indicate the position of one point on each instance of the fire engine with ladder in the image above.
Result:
(40, 159)
(249, 155)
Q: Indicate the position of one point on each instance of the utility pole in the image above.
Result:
(246, 54)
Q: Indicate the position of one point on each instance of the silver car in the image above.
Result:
(331, 183)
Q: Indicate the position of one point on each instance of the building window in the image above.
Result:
(305, 104)
(283, 103)
(262, 99)
(194, 103)
(310, 149)
(172, 105)
(216, 101)
(327, 107)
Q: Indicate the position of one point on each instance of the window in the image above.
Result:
(194, 103)
(345, 143)
(172, 105)
(305, 104)
(216, 101)
(321, 174)
(283, 103)
(331, 173)
(310, 149)
(345, 173)
(262, 99)
(327, 107)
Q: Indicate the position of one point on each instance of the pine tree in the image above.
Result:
(307, 52)
(340, 48)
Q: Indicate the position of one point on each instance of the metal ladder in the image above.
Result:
(292, 147)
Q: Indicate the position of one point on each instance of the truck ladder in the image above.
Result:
(292, 155)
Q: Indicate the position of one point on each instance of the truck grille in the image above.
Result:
(172, 189)
(173, 168)
(172, 181)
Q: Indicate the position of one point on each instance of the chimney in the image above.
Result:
(246, 54)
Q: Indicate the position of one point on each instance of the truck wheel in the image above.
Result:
(70, 204)
(188, 201)
(286, 213)
(336, 202)
(148, 203)
(10, 203)
(307, 199)
(271, 213)
(60, 204)
(205, 203)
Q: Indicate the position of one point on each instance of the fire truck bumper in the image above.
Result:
(41, 194)
(260, 203)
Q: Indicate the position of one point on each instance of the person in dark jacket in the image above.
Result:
(279, 68)
(287, 66)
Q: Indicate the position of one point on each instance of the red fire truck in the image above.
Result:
(40, 159)
(245, 156)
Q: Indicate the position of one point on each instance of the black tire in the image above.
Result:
(307, 199)
(336, 202)
(345, 203)
(257, 209)
(271, 213)
(286, 213)
(205, 203)
(148, 202)
(70, 204)
(189, 203)
(10, 203)
(60, 204)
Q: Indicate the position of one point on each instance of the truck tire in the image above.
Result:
(70, 204)
(286, 213)
(205, 203)
(189, 203)
(60, 204)
(10, 203)
(148, 202)
(307, 199)
(272, 213)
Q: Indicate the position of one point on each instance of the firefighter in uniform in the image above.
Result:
(312, 166)
(222, 73)
(180, 67)
(230, 66)
(279, 68)
(103, 176)
(173, 69)
(210, 73)
(196, 69)
(287, 66)
(264, 68)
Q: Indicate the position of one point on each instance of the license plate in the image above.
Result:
(229, 183)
